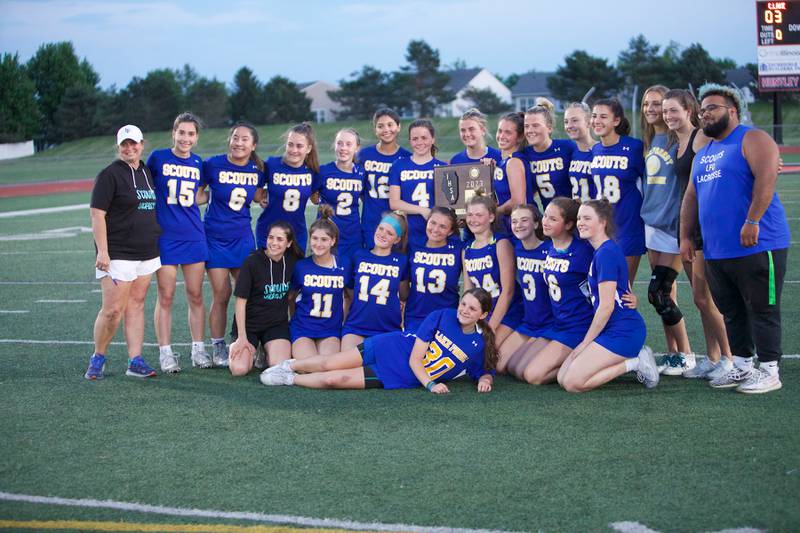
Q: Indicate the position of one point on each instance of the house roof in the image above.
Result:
(459, 78)
(305, 84)
(532, 83)
(739, 77)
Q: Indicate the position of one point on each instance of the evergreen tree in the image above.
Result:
(19, 114)
(285, 102)
(580, 73)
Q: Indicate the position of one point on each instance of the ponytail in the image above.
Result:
(489, 348)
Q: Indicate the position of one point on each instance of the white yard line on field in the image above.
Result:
(236, 515)
(43, 210)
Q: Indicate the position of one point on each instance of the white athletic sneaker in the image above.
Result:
(675, 364)
(732, 378)
(275, 376)
(286, 365)
(723, 367)
(648, 371)
(701, 370)
(220, 355)
(201, 359)
(760, 382)
(169, 363)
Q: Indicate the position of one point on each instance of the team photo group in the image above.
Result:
(386, 289)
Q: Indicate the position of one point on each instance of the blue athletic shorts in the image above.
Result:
(533, 333)
(182, 252)
(625, 338)
(568, 337)
(229, 253)
(632, 245)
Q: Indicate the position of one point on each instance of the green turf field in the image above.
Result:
(682, 457)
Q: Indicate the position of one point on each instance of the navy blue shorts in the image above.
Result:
(229, 253)
(533, 333)
(175, 252)
(568, 337)
(625, 338)
(299, 333)
(632, 245)
(371, 379)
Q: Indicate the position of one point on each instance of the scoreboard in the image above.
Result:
(778, 30)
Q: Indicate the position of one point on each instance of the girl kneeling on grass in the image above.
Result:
(614, 342)
(448, 343)
(262, 300)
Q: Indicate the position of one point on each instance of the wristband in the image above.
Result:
(430, 385)
(751, 222)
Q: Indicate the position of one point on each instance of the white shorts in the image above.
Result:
(660, 241)
(124, 270)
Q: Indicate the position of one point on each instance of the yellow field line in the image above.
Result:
(84, 525)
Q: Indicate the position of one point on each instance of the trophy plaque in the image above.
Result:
(454, 185)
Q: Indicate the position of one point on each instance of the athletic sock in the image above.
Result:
(165, 350)
(198, 346)
(632, 364)
(218, 341)
(743, 363)
(771, 367)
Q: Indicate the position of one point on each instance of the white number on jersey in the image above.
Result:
(555, 290)
(238, 198)
(323, 305)
(529, 290)
(380, 291)
(343, 204)
(421, 196)
(291, 200)
(378, 188)
(546, 189)
(489, 285)
(185, 196)
(608, 188)
(437, 278)
(580, 188)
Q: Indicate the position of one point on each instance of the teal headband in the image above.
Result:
(393, 222)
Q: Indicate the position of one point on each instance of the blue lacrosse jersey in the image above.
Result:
(483, 269)
(376, 196)
(376, 300)
(609, 264)
(462, 157)
(538, 313)
(232, 190)
(724, 184)
(342, 191)
(566, 273)
(319, 307)
(176, 181)
(288, 190)
(451, 352)
(502, 189)
(548, 172)
(617, 172)
(416, 187)
(433, 275)
(580, 176)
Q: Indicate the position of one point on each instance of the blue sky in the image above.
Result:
(314, 39)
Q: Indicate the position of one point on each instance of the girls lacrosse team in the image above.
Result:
(382, 290)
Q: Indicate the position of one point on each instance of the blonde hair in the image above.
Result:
(475, 114)
(546, 108)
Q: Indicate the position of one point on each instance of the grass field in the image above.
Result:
(682, 457)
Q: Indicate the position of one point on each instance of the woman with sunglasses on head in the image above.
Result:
(472, 128)
(660, 212)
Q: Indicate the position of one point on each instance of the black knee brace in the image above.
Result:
(659, 295)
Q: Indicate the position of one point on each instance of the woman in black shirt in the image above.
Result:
(126, 239)
(262, 302)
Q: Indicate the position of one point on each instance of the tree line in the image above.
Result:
(56, 96)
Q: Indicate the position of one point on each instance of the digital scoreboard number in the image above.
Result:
(778, 23)
(778, 41)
